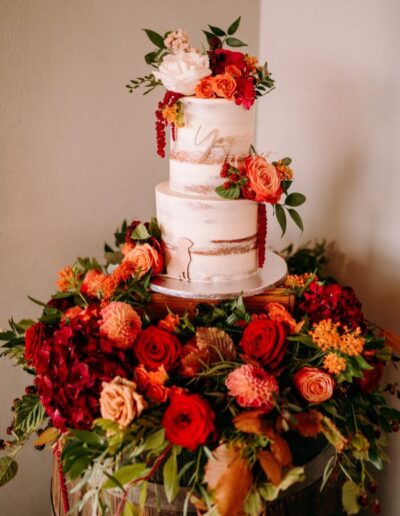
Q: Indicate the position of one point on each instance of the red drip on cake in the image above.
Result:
(262, 233)
(169, 100)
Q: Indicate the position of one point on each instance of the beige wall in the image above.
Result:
(77, 153)
(336, 112)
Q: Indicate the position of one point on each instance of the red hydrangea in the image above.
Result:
(332, 302)
(71, 363)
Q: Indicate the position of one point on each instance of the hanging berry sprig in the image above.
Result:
(162, 119)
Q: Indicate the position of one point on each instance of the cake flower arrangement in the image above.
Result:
(185, 71)
(218, 405)
(217, 72)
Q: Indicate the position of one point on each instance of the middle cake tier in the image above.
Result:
(207, 239)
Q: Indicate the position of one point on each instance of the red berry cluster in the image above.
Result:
(233, 175)
(169, 99)
(261, 233)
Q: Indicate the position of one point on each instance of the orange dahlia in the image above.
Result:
(120, 323)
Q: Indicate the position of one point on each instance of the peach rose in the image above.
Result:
(120, 402)
(224, 85)
(92, 283)
(314, 385)
(144, 257)
(263, 179)
(204, 90)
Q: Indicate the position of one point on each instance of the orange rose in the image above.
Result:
(144, 257)
(224, 85)
(233, 70)
(92, 283)
(314, 385)
(263, 179)
(120, 402)
(204, 90)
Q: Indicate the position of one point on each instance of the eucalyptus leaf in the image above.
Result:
(170, 477)
(234, 42)
(8, 469)
(155, 38)
(281, 217)
(295, 199)
(217, 31)
(234, 26)
(295, 216)
(130, 510)
(126, 474)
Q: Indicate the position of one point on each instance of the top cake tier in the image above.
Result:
(214, 130)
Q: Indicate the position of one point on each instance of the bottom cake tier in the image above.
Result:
(208, 240)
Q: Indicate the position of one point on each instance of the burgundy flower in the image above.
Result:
(332, 302)
(71, 365)
(221, 58)
(245, 93)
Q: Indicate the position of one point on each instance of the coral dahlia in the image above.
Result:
(120, 323)
(252, 387)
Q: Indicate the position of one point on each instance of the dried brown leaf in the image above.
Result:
(251, 422)
(392, 340)
(229, 475)
(308, 424)
(217, 341)
(281, 451)
(271, 467)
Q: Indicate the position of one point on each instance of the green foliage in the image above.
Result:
(8, 469)
(170, 475)
(233, 192)
(14, 342)
(311, 257)
(29, 414)
(155, 38)
(233, 27)
(125, 475)
(217, 37)
(147, 81)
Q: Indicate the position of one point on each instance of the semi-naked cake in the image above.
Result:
(212, 211)
(207, 238)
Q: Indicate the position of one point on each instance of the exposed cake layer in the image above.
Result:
(207, 239)
(214, 130)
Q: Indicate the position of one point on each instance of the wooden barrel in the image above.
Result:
(302, 499)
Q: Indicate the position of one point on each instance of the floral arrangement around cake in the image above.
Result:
(219, 73)
(122, 397)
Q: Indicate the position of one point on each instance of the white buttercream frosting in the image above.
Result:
(223, 233)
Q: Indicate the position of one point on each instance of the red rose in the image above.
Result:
(223, 58)
(156, 348)
(314, 385)
(188, 420)
(34, 336)
(371, 378)
(265, 341)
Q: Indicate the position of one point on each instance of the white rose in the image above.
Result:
(183, 71)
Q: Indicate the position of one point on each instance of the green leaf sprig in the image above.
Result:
(217, 37)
